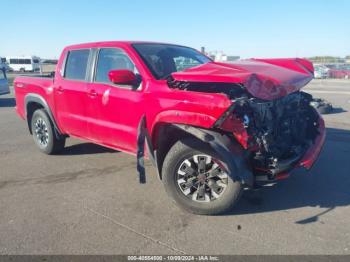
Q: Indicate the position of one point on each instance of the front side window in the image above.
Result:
(76, 64)
(112, 59)
(165, 59)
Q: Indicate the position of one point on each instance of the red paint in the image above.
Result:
(234, 125)
(311, 155)
(122, 77)
(282, 176)
(339, 73)
(109, 114)
(263, 78)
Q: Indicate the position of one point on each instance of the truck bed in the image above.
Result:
(46, 75)
(34, 84)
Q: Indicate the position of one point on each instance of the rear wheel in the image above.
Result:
(193, 175)
(44, 134)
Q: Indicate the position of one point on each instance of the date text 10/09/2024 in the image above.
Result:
(173, 258)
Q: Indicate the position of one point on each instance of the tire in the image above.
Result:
(189, 149)
(44, 134)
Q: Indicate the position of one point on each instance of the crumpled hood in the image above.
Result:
(263, 78)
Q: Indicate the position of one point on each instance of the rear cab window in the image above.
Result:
(76, 64)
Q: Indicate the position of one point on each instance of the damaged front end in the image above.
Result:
(277, 133)
(270, 117)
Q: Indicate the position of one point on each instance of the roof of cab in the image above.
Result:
(109, 43)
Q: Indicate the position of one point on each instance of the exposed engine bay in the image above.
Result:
(278, 132)
(232, 90)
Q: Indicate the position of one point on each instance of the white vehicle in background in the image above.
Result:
(320, 71)
(24, 63)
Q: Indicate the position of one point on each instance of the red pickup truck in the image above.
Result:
(211, 129)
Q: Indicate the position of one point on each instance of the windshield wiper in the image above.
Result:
(166, 76)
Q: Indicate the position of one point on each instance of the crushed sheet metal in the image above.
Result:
(263, 78)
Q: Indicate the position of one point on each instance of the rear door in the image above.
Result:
(70, 93)
(114, 111)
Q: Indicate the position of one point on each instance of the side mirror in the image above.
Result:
(122, 77)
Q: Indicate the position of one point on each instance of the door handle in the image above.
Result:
(92, 93)
(60, 89)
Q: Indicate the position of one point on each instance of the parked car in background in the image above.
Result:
(4, 85)
(339, 71)
(23, 63)
(210, 129)
(321, 71)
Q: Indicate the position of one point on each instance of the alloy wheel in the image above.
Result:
(41, 132)
(201, 178)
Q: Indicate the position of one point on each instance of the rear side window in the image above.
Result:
(76, 64)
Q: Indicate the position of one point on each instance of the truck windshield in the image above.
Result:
(165, 59)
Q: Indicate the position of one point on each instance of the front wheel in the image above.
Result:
(193, 175)
(44, 134)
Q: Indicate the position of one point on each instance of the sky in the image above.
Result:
(250, 28)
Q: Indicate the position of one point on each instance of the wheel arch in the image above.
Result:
(33, 102)
(166, 134)
(163, 137)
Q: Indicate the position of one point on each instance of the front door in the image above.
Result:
(113, 111)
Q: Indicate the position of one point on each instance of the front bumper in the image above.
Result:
(311, 154)
(297, 166)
